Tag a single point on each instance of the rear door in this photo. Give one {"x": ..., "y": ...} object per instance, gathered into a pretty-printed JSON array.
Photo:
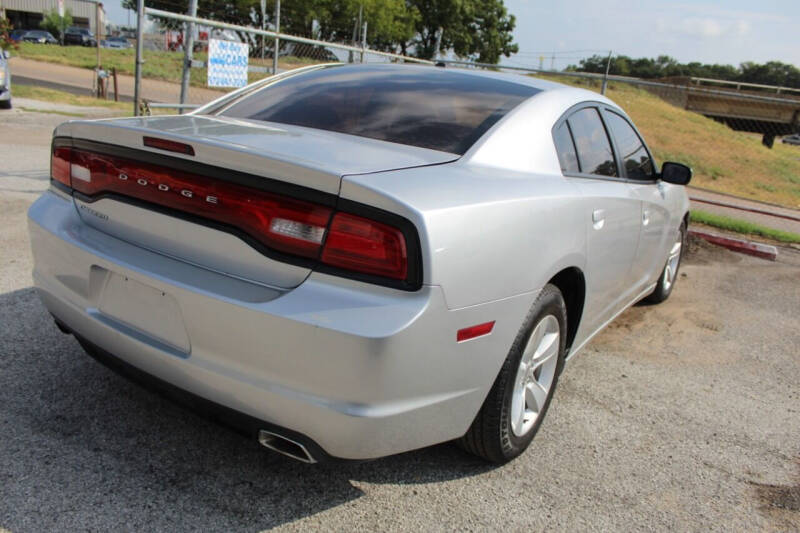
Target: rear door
[
  {"x": 609, "y": 207},
  {"x": 637, "y": 166}
]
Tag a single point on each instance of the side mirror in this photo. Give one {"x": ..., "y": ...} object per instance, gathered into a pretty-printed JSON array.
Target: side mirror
[
  {"x": 6, "y": 54},
  {"x": 676, "y": 173}
]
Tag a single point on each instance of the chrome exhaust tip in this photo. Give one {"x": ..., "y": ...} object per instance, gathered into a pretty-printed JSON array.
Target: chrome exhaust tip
[{"x": 282, "y": 445}]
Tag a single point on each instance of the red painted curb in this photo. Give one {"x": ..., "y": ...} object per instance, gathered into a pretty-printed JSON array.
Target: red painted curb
[{"x": 764, "y": 251}]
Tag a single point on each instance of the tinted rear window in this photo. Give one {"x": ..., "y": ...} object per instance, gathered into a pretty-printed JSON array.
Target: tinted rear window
[
  {"x": 591, "y": 140},
  {"x": 427, "y": 107}
]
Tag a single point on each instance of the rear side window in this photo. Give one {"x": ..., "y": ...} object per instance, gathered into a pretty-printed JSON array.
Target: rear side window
[
  {"x": 566, "y": 149},
  {"x": 428, "y": 107},
  {"x": 638, "y": 164},
  {"x": 592, "y": 144}
]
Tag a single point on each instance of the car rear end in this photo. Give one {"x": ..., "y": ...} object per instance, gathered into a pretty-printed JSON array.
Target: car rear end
[
  {"x": 5, "y": 81},
  {"x": 245, "y": 257},
  {"x": 217, "y": 260}
]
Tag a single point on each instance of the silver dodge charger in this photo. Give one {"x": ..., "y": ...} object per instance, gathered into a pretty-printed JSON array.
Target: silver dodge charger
[{"x": 352, "y": 261}]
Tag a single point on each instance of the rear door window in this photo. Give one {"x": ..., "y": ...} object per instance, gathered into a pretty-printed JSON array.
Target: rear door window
[
  {"x": 567, "y": 156},
  {"x": 591, "y": 142},
  {"x": 637, "y": 161}
]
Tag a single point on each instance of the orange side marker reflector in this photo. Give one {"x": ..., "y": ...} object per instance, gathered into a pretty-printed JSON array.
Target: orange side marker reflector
[{"x": 474, "y": 331}]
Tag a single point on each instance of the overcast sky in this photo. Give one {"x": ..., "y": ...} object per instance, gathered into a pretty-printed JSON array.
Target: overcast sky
[{"x": 730, "y": 31}]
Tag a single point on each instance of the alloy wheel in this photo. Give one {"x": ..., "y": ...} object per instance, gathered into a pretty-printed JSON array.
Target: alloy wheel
[{"x": 535, "y": 375}]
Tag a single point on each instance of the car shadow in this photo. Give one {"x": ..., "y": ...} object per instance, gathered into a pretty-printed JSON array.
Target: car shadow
[{"x": 84, "y": 448}]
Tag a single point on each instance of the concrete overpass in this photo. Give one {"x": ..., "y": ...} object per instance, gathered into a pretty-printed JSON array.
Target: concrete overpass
[{"x": 769, "y": 110}]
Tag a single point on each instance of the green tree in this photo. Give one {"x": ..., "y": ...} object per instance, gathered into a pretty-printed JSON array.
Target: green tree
[
  {"x": 5, "y": 39},
  {"x": 770, "y": 73},
  {"x": 476, "y": 29},
  {"x": 56, "y": 24}
]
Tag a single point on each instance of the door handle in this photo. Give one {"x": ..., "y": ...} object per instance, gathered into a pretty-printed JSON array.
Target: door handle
[
  {"x": 645, "y": 217},
  {"x": 598, "y": 218}
]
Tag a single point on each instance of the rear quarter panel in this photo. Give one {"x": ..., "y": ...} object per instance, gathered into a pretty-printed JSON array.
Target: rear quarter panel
[{"x": 486, "y": 233}]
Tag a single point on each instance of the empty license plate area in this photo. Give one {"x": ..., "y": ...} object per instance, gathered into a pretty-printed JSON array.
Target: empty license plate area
[{"x": 149, "y": 312}]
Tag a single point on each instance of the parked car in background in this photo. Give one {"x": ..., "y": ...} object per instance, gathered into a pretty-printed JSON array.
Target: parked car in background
[
  {"x": 39, "y": 36},
  {"x": 792, "y": 139},
  {"x": 355, "y": 261},
  {"x": 116, "y": 42},
  {"x": 5, "y": 80},
  {"x": 79, "y": 36},
  {"x": 16, "y": 35}
]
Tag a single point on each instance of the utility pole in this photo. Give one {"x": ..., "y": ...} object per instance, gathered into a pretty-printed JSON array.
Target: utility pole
[
  {"x": 137, "y": 84},
  {"x": 263, "y": 27},
  {"x": 553, "y": 61},
  {"x": 437, "y": 47},
  {"x": 97, "y": 35},
  {"x": 277, "y": 50},
  {"x": 541, "y": 62},
  {"x": 60, "y": 21},
  {"x": 605, "y": 77},
  {"x": 363, "y": 40},
  {"x": 188, "y": 49},
  {"x": 350, "y": 57}
]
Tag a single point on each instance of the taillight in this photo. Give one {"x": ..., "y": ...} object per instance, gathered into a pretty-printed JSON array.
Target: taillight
[
  {"x": 280, "y": 223},
  {"x": 342, "y": 242},
  {"x": 364, "y": 245},
  {"x": 59, "y": 165}
]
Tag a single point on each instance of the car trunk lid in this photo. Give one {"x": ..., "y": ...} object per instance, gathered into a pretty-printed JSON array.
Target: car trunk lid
[{"x": 292, "y": 162}]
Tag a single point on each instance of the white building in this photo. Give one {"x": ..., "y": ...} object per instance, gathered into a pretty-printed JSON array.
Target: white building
[{"x": 27, "y": 14}]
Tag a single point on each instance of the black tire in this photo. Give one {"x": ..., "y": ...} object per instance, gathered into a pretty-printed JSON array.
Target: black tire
[
  {"x": 5, "y": 104},
  {"x": 662, "y": 291},
  {"x": 490, "y": 436}
]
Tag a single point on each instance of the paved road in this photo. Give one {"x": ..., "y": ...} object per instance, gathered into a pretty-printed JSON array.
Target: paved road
[
  {"x": 81, "y": 78},
  {"x": 682, "y": 416},
  {"x": 709, "y": 201}
]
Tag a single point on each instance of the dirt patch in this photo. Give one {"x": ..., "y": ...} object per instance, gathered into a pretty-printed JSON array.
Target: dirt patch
[
  {"x": 702, "y": 252},
  {"x": 781, "y": 503},
  {"x": 780, "y": 496},
  {"x": 669, "y": 334}
]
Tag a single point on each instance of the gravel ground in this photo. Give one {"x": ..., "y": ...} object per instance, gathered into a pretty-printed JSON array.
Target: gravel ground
[{"x": 683, "y": 416}]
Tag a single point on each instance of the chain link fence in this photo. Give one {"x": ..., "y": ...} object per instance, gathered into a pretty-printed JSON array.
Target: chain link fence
[
  {"x": 164, "y": 58},
  {"x": 771, "y": 112}
]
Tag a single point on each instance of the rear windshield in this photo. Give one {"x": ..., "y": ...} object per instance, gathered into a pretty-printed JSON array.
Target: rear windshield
[{"x": 427, "y": 107}]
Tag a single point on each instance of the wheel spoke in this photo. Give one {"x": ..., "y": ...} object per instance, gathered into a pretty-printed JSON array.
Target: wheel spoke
[
  {"x": 533, "y": 343},
  {"x": 535, "y": 396},
  {"x": 548, "y": 354},
  {"x": 547, "y": 350},
  {"x": 517, "y": 413}
]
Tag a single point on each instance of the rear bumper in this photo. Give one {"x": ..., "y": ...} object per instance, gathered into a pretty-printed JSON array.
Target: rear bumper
[{"x": 358, "y": 371}]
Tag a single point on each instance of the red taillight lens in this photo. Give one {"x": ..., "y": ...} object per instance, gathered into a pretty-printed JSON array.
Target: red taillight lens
[
  {"x": 352, "y": 243},
  {"x": 283, "y": 224},
  {"x": 367, "y": 246},
  {"x": 59, "y": 164}
]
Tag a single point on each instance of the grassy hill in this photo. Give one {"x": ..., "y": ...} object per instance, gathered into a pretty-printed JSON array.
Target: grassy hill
[
  {"x": 159, "y": 65},
  {"x": 723, "y": 160}
]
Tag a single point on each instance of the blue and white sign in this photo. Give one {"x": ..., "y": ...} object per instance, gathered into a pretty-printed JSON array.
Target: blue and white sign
[{"x": 227, "y": 63}]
